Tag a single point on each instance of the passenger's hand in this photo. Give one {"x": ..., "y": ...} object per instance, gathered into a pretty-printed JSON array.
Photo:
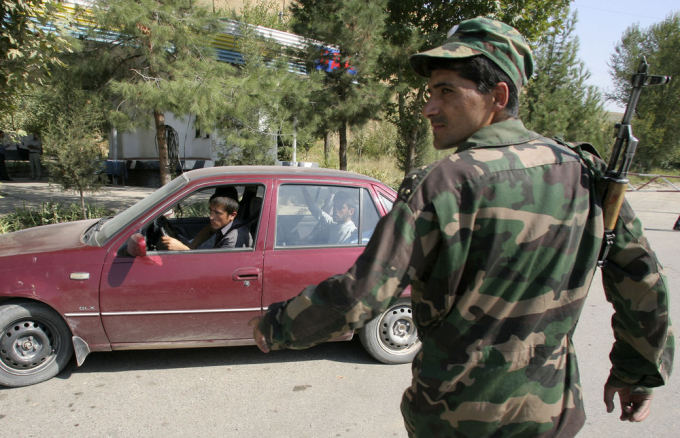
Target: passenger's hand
[
  {"x": 257, "y": 334},
  {"x": 172, "y": 244},
  {"x": 635, "y": 407}
]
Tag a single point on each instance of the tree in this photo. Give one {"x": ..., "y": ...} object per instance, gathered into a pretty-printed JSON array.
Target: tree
[
  {"x": 658, "y": 118},
  {"x": 162, "y": 50},
  {"x": 413, "y": 26},
  {"x": 72, "y": 146},
  {"x": 272, "y": 107},
  {"x": 29, "y": 46},
  {"x": 558, "y": 102},
  {"x": 352, "y": 29}
]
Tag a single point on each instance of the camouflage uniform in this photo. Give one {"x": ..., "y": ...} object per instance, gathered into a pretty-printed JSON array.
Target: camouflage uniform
[{"x": 499, "y": 242}]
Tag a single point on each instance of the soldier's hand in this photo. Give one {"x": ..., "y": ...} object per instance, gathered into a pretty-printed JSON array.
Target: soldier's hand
[
  {"x": 257, "y": 334},
  {"x": 635, "y": 406}
]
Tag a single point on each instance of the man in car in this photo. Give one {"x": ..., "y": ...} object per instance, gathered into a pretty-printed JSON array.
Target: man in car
[
  {"x": 499, "y": 242},
  {"x": 223, "y": 211}
]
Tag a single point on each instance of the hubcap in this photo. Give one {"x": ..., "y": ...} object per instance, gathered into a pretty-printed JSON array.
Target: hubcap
[
  {"x": 397, "y": 329},
  {"x": 26, "y": 345}
]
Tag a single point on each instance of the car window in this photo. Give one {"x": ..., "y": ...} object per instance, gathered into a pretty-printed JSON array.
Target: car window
[
  {"x": 318, "y": 215},
  {"x": 386, "y": 202},
  {"x": 188, "y": 221},
  {"x": 369, "y": 217},
  {"x": 124, "y": 218}
]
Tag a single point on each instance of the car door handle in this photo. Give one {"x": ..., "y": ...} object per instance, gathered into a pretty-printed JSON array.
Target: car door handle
[{"x": 246, "y": 274}]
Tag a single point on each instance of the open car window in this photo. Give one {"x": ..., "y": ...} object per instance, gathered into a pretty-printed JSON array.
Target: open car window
[
  {"x": 188, "y": 220},
  {"x": 322, "y": 215}
]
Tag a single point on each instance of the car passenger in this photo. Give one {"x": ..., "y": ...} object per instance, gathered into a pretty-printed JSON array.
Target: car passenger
[{"x": 338, "y": 228}]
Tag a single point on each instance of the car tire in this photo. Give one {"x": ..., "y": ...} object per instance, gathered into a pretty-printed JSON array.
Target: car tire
[
  {"x": 35, "y": 344},
  {"x": 392, "y": 337}
]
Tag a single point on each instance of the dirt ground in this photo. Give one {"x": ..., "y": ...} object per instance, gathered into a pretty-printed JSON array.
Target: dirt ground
[{"x": 26, "y": 193}]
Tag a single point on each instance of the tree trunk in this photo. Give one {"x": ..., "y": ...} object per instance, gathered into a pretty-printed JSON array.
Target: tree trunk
[
  {"x": 326, "y": 147},
  {"x": 342, "y": 150},
  {"x": 162, "y": 141},
  {"x": 83, "y": 212},
  {"x": 411, "y": 157}
]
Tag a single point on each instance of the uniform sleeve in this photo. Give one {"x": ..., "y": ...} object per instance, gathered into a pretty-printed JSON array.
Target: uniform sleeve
[
  {"x": 634, "y": 283},
  {"x": 346, "y": 302}
]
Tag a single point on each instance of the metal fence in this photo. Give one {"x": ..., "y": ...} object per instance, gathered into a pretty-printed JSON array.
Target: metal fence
[{"x": 656, "y": 183}]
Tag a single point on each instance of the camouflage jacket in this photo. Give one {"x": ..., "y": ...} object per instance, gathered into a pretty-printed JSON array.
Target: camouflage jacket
[{"x": 499, "y": 242}]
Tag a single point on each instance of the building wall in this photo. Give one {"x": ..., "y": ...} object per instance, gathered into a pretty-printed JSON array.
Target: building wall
[{"x": 140, "y": 144}]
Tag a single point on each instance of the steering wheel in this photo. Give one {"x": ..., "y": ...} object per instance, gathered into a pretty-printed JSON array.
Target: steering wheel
[{"x": 162, "y": 227}]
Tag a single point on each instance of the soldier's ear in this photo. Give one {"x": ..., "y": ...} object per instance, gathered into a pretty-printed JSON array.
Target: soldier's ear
[{"x": 501, "y": 95}]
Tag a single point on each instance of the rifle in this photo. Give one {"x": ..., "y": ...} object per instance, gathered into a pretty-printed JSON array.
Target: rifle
[{"x": 616, "y": 175}]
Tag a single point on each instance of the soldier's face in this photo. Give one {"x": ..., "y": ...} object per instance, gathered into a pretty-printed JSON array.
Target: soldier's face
[{"x": 455, "y": 108}]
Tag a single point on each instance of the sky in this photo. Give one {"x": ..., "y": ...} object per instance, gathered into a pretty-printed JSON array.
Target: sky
[{"x": 600, "y": 26}]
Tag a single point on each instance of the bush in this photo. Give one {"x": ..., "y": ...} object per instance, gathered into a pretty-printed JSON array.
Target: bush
[{"x": 48, "y": 213}]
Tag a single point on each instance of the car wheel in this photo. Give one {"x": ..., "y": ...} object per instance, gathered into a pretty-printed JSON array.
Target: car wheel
[
  {"x": 391, "y": 337},
  {"x": 34, "y": 344}
]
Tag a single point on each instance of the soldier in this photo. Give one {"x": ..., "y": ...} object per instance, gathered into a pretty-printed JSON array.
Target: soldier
[{"x": 499, "y": 242}]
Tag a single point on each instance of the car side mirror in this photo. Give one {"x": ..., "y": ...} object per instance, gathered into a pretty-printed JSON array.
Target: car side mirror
[{"x": 136, "y": 245}]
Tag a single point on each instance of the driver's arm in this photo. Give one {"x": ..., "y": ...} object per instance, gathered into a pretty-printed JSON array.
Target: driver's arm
[{"x": 201, "y": 237}]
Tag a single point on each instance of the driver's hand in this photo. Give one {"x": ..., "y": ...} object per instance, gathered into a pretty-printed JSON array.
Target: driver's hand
[{"x": 172, "y": 244}]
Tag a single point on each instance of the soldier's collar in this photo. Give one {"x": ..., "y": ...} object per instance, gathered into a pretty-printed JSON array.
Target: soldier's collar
[{"x": 507, "y": 132}]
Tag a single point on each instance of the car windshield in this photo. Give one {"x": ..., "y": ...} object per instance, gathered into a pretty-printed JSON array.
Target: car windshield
[{"x": 121, "y": 220}]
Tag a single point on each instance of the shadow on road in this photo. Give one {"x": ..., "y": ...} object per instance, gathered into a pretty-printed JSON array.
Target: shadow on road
[{"x": 121, "y": 361}]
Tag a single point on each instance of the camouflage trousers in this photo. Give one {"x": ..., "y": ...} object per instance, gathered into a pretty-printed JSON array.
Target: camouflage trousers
[{"x": 425, "y": 418}]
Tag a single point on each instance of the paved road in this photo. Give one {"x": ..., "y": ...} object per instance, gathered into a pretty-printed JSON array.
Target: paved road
[{"x": 334, "y": 390}]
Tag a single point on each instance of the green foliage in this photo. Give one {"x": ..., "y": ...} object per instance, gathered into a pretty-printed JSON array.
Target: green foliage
[
  {"x": 271, "y": 105},
  {"x": 165, "y": 63},
  {"x": 72, "y": 148},
  {"x": 558, "y": 102},
  {"x": 658, "y": 117},
  {"x": 195, "y": 209},
  {"x": 355, "y": 29},
  {"x": 48, "y": 213},
  {"x": 28, "y": 48},
  {"x": 374, "y": 140}
]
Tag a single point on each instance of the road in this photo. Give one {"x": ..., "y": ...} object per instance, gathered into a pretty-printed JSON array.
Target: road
[{"x": 334, "y": 390}]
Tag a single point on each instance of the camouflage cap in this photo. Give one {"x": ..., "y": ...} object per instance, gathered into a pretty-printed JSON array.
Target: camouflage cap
[{"x": 497, "y": 41}]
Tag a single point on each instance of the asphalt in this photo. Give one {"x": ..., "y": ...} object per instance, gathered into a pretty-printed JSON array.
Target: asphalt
[{"x": 22, "y": 192}]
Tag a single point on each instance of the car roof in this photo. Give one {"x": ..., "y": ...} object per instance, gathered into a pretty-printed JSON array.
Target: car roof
[{"x": 281, "y": 171}]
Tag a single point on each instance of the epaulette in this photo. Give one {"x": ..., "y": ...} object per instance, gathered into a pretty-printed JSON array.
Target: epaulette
[
  {"x": 411, "y": 182},
  {"x": 579, "y": 148}
]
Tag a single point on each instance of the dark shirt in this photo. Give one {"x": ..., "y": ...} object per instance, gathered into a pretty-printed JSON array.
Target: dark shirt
[{"x": 236, "y": 236}]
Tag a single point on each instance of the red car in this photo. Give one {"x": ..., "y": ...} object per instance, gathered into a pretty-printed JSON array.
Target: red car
[{"x": 107, "y": 284}]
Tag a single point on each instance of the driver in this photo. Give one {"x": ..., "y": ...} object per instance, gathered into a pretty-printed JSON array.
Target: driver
[{"x": 228, "y": 234}]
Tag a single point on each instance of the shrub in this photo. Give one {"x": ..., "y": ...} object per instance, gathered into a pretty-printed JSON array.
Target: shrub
[{"x": 48, "y": 213}]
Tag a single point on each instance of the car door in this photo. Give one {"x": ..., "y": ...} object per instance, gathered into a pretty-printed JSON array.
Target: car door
[
  {"x": 186, "y": 297},
  {"x": 296, "y": 255}
]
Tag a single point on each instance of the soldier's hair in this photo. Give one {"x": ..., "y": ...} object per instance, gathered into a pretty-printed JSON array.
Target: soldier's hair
[
  {"x": 484, "y": 73},
  {"x": 230, "y": 205}
]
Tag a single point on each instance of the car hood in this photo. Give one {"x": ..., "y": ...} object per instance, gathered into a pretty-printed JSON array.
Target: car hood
[{"x": 46, "y": 238}]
